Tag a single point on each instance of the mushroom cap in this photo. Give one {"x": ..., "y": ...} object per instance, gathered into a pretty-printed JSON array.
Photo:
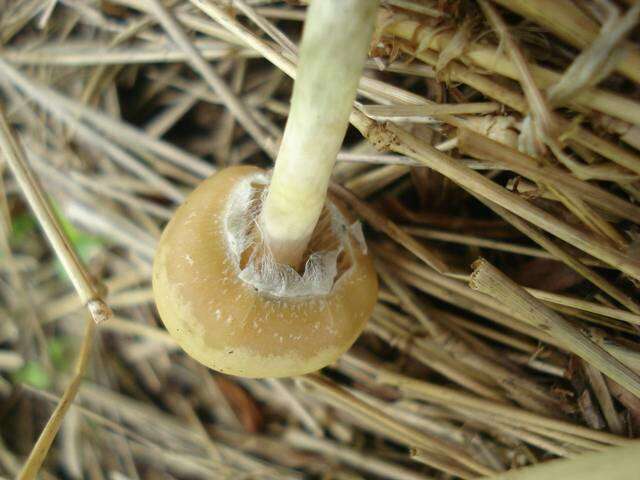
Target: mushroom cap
[{"x": 227, "y": 324}]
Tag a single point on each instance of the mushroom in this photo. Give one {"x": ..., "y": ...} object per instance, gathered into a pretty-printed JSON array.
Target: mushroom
[{"x": 262, "y": 275}]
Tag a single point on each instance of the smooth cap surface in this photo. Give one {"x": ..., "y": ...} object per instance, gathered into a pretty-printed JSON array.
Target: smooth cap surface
[{"x": 228, "y": 325}]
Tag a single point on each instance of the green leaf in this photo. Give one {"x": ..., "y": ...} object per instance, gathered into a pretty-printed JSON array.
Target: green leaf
[
  {"x": 61, "y": 353},
  {"x": 21, "y": 226},
  {"x": 32, "y": 373},
  {"x": 84, "y": 244}
]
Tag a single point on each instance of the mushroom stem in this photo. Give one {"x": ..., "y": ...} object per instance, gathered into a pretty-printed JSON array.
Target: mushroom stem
[{"x": 332, "y": 55}]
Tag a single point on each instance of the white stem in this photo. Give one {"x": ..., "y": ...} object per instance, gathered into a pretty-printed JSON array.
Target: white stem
[{"x": 332, "y": 55}]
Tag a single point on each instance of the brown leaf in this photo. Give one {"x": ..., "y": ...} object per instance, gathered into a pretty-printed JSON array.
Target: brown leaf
[{"x": 244, "y": 406}]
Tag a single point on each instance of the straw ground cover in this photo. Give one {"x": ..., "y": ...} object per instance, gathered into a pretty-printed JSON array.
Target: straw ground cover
[{"x": 492, "y": 130}]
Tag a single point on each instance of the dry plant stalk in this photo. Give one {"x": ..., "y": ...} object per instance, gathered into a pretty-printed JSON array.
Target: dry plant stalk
[
  {"x": 449, "y": 397},
  {"x": 82, "y": 281},
  {"x": 485, "y": 56},
  {"x": 461, "y": 73},
  {"x": 218, "y": 85},
  {"x": 391, "y": 137},
  {"x": 405, "y": 434},
  {"x": 47, "y": 436},
  {"x": 66, "y": 70},
  {"x": 483, "y": 147},
  {"x": 489, "y": 280},
  {"x": 567, "y": 20},
  {"x": 612, "y": 464}
]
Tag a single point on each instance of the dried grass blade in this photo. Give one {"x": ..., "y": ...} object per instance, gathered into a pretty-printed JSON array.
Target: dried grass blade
[
  {"x": 82, "y": 281},
  {"x": 489, "y": 280},
  {"x": 47, "y": 436}
]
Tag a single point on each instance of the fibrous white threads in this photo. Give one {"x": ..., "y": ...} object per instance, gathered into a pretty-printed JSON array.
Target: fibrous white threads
[{"x": 241, "y": 226}]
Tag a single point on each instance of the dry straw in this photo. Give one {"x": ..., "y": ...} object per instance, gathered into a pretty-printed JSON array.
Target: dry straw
[{"x": 506, "y": 130}]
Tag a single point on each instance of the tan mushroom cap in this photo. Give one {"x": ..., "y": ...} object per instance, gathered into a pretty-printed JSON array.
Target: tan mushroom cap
[{"x": 228, "y": 325}]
